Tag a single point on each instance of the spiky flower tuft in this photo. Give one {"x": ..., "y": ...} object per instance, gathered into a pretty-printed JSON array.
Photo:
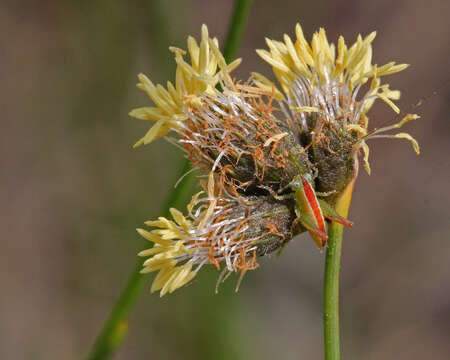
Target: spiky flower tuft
[
  {"x": 321, "y": 83},
  {"x": 237, "y": 133},
  {"x": 219, "y": 229},
  {"x": 201, "y": 76}
]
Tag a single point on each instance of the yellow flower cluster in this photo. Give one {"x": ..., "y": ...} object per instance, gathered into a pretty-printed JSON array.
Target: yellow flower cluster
[
  {"x": 320, "y": 84},
  {"x": 169, "y": 241},
  {"x": 207, "y": 67},
  {"x": 321, "y": 63}
]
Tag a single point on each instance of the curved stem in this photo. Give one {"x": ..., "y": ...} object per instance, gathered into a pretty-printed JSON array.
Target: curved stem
[
  {"x": 116, "y": 325},
  {"x": 331, "y": 278},
  {"x": 114, "y": 330}
]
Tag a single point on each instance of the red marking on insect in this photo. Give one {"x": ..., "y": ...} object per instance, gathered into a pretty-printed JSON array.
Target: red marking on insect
[{"x": 316, "y": 210}]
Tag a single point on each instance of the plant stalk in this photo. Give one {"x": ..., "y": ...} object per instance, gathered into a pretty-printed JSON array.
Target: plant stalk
[
  {"x": 114, "y": 330},
  {"x": 331, "y": 277}
]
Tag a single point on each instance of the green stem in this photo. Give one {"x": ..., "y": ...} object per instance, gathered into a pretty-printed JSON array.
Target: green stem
[
  {"x": 114, "y": 330},
  {"x": 115, "y": 327},
  {"x": 331, "y": 292},
  {"x": 239, "y": 16},
  {"x": 331, "y": 278}
]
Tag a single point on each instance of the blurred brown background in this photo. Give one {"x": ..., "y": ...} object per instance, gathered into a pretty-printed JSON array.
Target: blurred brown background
[{"x": 73, "y": 190}]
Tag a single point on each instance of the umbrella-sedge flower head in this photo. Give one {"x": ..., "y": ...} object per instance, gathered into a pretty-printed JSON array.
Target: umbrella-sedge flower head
[
  {"x": 192, "y": 80},
  {"x": 321, "y": 83},
  {"x": 227, "y": 231},
  {"x": 233, "y": 131},
  {"x": 275, "y": 160},
  {"x": 238, "y": 134}
]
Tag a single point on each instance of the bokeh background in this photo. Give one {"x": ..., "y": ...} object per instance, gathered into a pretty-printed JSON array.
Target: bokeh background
[{"x": 73, "y": 190}]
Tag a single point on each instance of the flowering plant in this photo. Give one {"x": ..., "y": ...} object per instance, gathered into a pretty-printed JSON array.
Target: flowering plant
[{"x": 273, "y": 163}]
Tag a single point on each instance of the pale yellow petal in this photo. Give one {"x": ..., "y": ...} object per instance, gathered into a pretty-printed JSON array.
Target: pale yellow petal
[
  {"x": 413, "y": 141},
  {"x": 301, "y": 109},
  {"x": 389, "y": 102},
  {"x": 204, "y": 51},
  {"x": 161, "y": 279},
  {"x": 180, "y": 219},
  {"x": 194, "y": 51},
  {"x": 407, "y": 118},
  {"x": 156, "y": 263},
  {"x": 153, "y": 251},
  {"x": 153, "y": 238},
  {"x": 265, "y": 55},
  {"x": 366, "y": 150},
  {"x": 194, "y": 200},
  {"x": 147, "y": 113},
  {"x": 154, "y": 132},
  {"x": 299, "y": 65}
]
